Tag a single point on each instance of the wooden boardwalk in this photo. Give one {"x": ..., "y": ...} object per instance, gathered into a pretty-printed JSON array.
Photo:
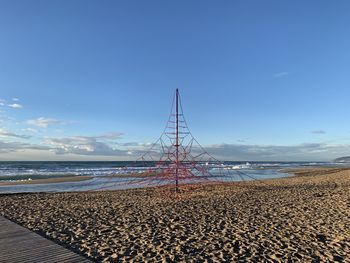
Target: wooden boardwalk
[{"x": 18, "y": 244}]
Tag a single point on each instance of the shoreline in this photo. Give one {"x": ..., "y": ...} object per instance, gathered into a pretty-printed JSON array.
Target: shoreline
[
  {"x": 314, "y": 170},
  {"x": 292, "y": 172},
  {"x": 47, "y": 180}
]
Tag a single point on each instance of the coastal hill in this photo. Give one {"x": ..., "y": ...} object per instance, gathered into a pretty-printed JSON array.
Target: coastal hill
[{"x": 345, "y": 159}]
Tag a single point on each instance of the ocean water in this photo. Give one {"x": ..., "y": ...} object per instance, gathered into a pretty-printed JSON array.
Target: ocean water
[
  {"x": 99, "y": 171},
  {"x": 42, "y": 170}
]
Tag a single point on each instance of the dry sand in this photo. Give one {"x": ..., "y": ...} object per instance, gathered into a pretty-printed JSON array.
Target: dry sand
[
  {"x": 305, "y": 218},
  {"x": 48, "y": 180}
]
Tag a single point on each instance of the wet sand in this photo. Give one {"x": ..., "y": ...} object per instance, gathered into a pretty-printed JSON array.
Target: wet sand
[
  {"x": 48, "y": 180},
  {"x": 305, "y": 218}
]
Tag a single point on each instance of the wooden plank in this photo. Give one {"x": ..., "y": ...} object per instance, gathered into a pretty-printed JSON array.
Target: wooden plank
[
  {"x": 5, "y": 254},
  {"x": 18, "y": 244}
]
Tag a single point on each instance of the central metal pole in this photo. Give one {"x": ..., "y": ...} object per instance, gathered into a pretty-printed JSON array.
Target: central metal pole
[{"x": 177, "y": 144}]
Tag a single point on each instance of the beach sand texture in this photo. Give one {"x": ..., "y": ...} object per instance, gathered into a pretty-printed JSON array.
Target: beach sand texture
[{"x": 305, "y": 218}]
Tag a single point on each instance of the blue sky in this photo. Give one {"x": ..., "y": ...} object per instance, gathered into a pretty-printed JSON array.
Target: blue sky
[{"x": 259, "y": 80}]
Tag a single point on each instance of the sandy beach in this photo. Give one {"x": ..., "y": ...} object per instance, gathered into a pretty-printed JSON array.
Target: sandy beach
[{"x": 305, "y": 218}]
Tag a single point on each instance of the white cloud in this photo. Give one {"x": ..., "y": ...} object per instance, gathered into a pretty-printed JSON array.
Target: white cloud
[
  {"x": 15, "y": 106},
  {"x": 15, "y": 99},
  {"x": 43, "y": 122}
]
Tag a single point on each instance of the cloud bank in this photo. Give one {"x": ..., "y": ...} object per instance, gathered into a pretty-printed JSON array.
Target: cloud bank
[
  {"x": 4, "y": 133},
  {"x": 102, "y": 146},
  {"x": 84, "y": 145},
  {"x": 9, "y": 147},
  {"x": 300, "y": 152}
]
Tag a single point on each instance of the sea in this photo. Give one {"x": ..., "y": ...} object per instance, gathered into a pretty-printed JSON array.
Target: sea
[{"x": 101, "y": 173}]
